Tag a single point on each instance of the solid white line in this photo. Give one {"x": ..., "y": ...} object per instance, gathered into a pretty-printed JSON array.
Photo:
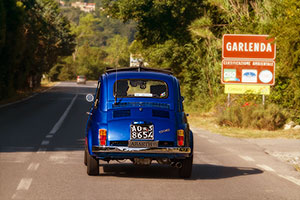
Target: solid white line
[
  {"x": 265, "y": 167},
  {"x": 62, "y": 118},
  {"x": 27, "y": 98},
  {"x": 24, "y": 184},
  {"x": 290, "y": 178},
  {"x": 45, "y": 142},
  {"x": 19, "y": 101},
  {"x": 33, "y": 166},
  {"x": 247, "y": 158}
]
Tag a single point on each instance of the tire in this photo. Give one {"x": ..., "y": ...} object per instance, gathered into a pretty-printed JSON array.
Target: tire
[
  {"x": 92, "y": 165},
  {"x": 85, "y": 156},
  {"x": 186, "y": 170}
]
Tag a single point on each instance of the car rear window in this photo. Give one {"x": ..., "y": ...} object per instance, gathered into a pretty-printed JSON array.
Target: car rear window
[{"x": 141, "y": 88}]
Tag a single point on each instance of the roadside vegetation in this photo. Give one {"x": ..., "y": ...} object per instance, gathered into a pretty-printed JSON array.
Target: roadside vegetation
[
  {"x": 186, "y": 36},
  {"x": 209, "y": 121},
  {"x": 183, "y": 35}
]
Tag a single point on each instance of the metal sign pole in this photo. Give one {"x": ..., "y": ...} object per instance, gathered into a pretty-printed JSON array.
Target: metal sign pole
[
  {"x": 228, "y": 100},
  {"x": 263, "y": 99}
]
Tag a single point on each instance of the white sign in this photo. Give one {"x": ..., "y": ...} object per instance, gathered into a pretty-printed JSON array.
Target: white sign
[
  {"x": 249, "y": 76},
  {"x": 265, "y": 76}
]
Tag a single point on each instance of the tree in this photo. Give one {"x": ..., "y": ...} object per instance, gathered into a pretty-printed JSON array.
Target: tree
[
  {"x": 157, "y": 21},
  {"x": 118, "y": 52},
  {"x": 33, "y": 36},
  {"x": 285, "y": 27}
]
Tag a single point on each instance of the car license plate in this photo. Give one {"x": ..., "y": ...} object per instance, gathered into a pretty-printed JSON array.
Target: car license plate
[
  {"x": 142, "y": 144},
  {"x": 141, "y": 132}
]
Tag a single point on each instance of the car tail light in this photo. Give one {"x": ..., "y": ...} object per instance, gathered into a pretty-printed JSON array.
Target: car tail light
[
  {"x": 180, "y": 137},
  {"x": 102, "y": 137}
]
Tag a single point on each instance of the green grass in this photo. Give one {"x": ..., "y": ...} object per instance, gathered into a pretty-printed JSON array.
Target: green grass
[
  {"x": 209, "y": 122},
  {"x": 297, "y": 167}
]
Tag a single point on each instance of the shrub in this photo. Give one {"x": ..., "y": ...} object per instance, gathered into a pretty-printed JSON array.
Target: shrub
[{"x": 251, "y": 115}]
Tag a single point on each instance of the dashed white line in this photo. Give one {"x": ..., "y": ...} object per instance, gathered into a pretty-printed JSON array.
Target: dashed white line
[
  {"x": 45, "y": 142},
  {"x": 290, "y": 178},
  {"x": 42, "y": 150},
  {"x": 33, "y": 166},
  {"x": 265, "y": 167},
  {"x": 24, "y": 184},
  {"x": 49, "y": 136},
  {"x": 247, "y": 158}
]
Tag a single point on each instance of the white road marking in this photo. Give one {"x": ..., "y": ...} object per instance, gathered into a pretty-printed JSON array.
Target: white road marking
[
  {"x": 24, "y": 184},
  {"x": 265, "y": 167},
  {"x": 203, "y": 136},
  {"x": 45, "y": 142},
  {"x": 58, "y": 158},
  {"x": 63, "y": 117},
  {"x": 14, "y": 196},
  {"x": 42, "y": 150},
  {"x": 213, "y": 141},
  {"x": 247, "y": 158},
  {"x": 230, "y": 150},
  {"x": 49, "y": 136},
  {"x": 290, "y": 178},
  {"x": 33, "y": 166}
]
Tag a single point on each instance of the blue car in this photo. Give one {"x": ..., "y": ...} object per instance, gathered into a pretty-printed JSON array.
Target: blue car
[{"x": 137, "y": 114}]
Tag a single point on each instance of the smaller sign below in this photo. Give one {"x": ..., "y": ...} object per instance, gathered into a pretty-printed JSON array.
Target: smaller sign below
[
  {"x": 248, "y": 72},
  {"x": 247, "y": 89}
]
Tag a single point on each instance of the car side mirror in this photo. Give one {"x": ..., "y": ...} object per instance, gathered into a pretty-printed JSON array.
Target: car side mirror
[{"x": 89, "y": 97}]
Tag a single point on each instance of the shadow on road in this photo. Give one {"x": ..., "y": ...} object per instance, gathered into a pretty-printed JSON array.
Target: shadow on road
[{"x": 156, "y": 171}]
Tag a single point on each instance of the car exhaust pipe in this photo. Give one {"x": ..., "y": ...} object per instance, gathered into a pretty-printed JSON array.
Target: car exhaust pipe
[
  {"x": 178, "y": 165},
  {"x": 173, "y": 164}
]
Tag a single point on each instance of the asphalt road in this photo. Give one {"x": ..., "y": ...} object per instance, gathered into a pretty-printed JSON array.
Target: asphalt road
[{"x": 41, "y": 157}]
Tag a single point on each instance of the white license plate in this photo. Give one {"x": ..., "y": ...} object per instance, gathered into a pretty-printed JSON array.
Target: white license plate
[{"x": 141, "y": 132}]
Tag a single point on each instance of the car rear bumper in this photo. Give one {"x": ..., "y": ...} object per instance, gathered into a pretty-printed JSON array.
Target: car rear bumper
[{"x": 126, "y": 152}]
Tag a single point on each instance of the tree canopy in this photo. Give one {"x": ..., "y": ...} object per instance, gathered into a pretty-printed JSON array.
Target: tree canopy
[{"x": 33, "y": 36}]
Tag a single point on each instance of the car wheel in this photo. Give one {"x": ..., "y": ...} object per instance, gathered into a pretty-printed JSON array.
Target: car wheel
[
  {"x": 85, "y": 156},
  {"x": 92, "y": 165},
  {"x": 186, "y": 170}
]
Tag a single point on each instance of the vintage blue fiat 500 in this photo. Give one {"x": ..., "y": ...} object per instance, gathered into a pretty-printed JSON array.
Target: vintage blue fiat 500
[{"x": 137, "y": 114}]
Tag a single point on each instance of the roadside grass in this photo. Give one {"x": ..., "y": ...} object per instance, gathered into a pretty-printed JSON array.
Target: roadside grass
[
  {"x": 209, "y": 122},
  {"x": 22, "y": 94},
  {"x": 297, "y": 167}
]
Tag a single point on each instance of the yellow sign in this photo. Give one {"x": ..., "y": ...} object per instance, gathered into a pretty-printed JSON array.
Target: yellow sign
[{"x": 247, "y": 89}]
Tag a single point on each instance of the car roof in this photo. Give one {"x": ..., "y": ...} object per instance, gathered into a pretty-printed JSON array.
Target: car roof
[
  {"x": 138, "y": 73},
  {"x": 138, "y": 69}
]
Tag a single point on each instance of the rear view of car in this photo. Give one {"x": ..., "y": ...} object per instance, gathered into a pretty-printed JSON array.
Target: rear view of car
[
  {"x": 81, "y": 79},
  {"x": 138, "y": 115}
]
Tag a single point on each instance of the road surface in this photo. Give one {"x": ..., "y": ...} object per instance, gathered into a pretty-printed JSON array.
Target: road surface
[{"x": 41, "y": 157}]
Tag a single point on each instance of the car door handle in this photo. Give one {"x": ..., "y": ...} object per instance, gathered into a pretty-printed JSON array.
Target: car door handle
[{"x": 89, "y": 113}]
